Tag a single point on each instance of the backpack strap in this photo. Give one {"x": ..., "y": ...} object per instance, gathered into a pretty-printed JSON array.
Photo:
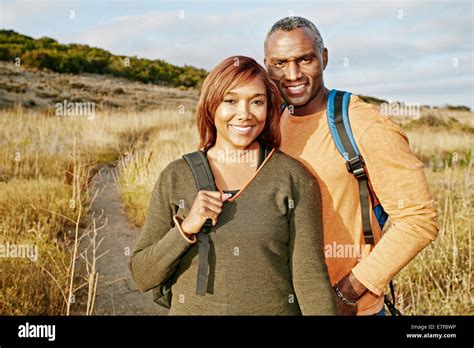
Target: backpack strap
[
  {"x": 204, "y": 179},
  {"x": 264, "y": 152},
  {"x": 340, "y": 128}
]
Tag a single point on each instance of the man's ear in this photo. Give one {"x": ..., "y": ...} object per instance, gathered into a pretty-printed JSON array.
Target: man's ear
[{"x": 325, "y": 58}]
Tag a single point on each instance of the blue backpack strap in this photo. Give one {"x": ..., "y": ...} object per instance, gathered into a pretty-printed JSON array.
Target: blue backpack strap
[
  {"x": 332, "y": 125},
  {"x": 339, "y": 126},
  {"x": 343, "y": 138}
]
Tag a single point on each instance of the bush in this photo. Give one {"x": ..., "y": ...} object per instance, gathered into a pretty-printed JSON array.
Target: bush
[
  {"x": 47, "y": 53},
  {"x": 458, "y": 107}
]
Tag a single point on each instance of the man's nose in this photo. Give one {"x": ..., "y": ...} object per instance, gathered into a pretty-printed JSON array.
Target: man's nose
[{"x": 293, "y": 71}]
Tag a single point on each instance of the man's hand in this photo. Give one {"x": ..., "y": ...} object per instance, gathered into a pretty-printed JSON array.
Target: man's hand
[{"x": 352, "y": 290}]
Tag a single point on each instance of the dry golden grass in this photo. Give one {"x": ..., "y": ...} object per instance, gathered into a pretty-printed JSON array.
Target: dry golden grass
[
  {"x": 40, "y": 206},
  {"x": 45, "y": 169},
  {"x": 439, "y": 281},
  {"x": 434, "y": 147},
  {"x": 176, "y": 136}
]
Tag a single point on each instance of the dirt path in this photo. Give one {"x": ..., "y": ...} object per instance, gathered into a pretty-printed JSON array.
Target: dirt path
[{"x": 116, "y": 292}]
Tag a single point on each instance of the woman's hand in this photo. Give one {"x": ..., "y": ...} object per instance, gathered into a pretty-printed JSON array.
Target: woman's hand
[{"x": 207, "y": 205}]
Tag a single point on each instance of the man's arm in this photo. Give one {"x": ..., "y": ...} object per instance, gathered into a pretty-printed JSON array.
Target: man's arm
[{"x": 398, "y": 179}]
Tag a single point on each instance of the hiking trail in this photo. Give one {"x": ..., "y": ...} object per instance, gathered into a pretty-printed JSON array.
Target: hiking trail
[{"x": 116, "y": 292}]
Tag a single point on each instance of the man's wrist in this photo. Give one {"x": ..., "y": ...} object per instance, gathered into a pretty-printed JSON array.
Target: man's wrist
[
  {"x": 349, "y": 289},
  {"x": 356, "y": 285},
  {"x": 342, "y": 297}
]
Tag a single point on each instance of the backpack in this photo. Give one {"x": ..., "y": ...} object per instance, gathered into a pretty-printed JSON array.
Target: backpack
[
  {"x": 204, "y": 179},
  {"x": 337, "y": 111}
]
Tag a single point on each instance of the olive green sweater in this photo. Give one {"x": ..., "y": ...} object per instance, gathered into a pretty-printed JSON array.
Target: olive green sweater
[{"x": 266, "y": 252}]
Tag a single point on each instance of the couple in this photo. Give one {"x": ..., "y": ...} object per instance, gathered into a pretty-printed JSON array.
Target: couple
[{"x": 285, "y": 236}]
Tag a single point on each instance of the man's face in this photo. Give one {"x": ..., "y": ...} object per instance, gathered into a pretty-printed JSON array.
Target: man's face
[{"x": 295, "y": 63}]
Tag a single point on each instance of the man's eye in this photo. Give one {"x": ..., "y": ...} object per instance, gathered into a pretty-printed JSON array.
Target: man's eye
[
  {"x": 306, "y": 60},
  {"x": 278, "y": 63}
]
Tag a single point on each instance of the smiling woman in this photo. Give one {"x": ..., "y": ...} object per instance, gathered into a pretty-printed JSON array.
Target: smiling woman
[{"x": 262, "y": 254}]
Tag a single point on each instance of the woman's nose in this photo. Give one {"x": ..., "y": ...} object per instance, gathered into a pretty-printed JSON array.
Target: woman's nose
[{"x": 243, "y": 111}]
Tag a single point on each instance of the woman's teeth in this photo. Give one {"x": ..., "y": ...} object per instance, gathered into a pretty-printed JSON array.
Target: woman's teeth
[{"x": 241, "y": 129}]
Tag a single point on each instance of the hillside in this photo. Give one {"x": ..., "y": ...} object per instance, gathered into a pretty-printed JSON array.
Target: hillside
[
  {"x": 47, "y": 53},
  {"x": 40, "y": 90}
]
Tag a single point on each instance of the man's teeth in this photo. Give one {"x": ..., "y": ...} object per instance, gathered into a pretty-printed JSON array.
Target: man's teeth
[{"x": 296, "y": 88}]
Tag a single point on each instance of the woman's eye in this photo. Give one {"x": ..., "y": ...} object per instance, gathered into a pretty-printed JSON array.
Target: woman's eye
[
  {"x": 229, "y": 101},
  {"x": 258, "y": 102}
]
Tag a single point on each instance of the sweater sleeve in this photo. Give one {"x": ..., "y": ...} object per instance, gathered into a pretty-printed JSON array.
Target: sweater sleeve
[
  {"x": 308, "y": 268},
  {"x": 400, "y": 184},
  {"x": 160, "y": 245}
]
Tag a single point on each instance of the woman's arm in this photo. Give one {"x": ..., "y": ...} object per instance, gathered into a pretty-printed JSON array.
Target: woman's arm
[
  {"x": 308, "y": 268},
  {"x": 160, "y": 244}
]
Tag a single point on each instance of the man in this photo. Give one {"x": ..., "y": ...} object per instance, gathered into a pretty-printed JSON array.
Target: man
[{"x": 296, "y": 58}]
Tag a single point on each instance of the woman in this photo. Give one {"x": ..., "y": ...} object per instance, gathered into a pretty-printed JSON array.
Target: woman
[{"x": 265, "y": 252}]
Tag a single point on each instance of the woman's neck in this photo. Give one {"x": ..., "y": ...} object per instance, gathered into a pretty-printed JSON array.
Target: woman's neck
[{"x": 224, "y": 150}]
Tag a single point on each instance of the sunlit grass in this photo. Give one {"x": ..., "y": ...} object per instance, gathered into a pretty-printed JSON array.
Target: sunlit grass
[
  {"x": 439, "y": 280},
  {"x": 46, "y": 163}
]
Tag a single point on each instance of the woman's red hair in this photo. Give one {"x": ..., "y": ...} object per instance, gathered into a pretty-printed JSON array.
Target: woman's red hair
[{"x": 236, "y": 71}]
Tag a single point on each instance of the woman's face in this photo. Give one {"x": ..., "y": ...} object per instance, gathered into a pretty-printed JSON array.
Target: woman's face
[{"x": 241, "y": 115}]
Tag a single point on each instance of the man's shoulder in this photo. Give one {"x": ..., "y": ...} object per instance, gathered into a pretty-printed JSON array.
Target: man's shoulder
[
  {"x": 363, "y": 115},
  {"x": 361, "y": 111}
]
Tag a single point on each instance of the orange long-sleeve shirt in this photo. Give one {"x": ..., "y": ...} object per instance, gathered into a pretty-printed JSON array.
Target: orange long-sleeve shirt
[{"x": 398, "y": 179}]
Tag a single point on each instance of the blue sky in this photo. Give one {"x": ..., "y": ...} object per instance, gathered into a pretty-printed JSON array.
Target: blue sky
[{"x": 412, "y": 51}]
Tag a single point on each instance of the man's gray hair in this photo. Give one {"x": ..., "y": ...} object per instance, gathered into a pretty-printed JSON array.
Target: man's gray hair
[{"x": 293, "y": 22}]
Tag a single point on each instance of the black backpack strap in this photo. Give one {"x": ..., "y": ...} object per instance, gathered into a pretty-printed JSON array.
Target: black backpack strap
[
  {"x": 202, "y": 172},
  {"x": 264, "y": 152},
  {"x": 391, "y": 304},
  {"x": 204, "y": 179},
  {"x": 355, "y": 165}
]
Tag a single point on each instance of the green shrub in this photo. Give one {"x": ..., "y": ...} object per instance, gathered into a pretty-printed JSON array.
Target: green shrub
[{"x": 47, "y": 53}]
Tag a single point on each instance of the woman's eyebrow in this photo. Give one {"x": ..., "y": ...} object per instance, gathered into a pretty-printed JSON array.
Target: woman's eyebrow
[{"x": 252, "y": 96}]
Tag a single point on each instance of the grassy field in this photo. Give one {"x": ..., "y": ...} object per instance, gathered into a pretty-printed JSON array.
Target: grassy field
[{"x": 46, "y": 163}]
